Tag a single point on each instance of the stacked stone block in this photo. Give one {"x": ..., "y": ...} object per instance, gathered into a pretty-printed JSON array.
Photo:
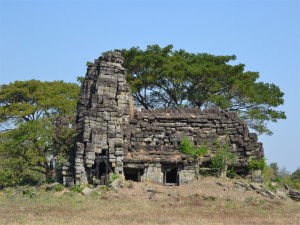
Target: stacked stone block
[
  {"x": 102, "y": 114},
  {"x": 156, "y": 135}
]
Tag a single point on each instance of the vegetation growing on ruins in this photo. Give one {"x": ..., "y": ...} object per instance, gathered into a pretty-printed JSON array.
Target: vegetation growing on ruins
[
  {"x": 220, "y": 161},
  {"x": 223, "y": 157},
  {"x": 113, "y": 177},
  {"x": 163, "y": 77},
  {"x": 58, "y": 187},
  {"x": 257, "y": 164},
  {"x": 188, "y": 148}
]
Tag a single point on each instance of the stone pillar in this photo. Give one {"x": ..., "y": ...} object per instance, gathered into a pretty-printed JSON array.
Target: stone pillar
[{"x": 103, "y": 113}]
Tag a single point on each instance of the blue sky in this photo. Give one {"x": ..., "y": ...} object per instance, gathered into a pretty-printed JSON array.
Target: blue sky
[{"x": 52, "y": 40}]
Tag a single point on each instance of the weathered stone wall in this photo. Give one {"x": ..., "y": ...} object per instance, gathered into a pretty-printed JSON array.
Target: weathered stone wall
[
  {"x": 156, "y": 135},
  {"x": 144, "y": 145}
]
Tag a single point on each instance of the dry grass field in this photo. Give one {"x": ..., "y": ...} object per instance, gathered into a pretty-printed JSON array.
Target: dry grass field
[{"x": 201, "y": 202}]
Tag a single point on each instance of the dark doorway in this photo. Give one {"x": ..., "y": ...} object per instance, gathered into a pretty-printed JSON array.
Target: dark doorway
[
  {"x": 133, "y": 174},
  {"x": 171, "y": 175},
  {"x": 100, "y": 170}
]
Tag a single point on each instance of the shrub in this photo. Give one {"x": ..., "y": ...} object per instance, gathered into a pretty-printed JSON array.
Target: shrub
[
  {"x": 188, "y": 148},
  {"x": 222, "y": 158},
  {"x": 257, "y": 164},
  {"x": 77, "y": 188},
  {"x": 231, "y": 173},
  {"x": 59, "y": 187},
  {"x": 270, "y": 187},
  {"x": 113, "y": 177},
  {"x": 27, "y": 191},
  {"x": 202, "y": 150}
]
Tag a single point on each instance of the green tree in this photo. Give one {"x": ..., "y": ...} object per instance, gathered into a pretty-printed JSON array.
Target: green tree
[
  {"x": 163, "y": 77},
  {"x": 145, "y": 70},
  {"x": 295, "y": 179},
  {"x": 63, "y": 139},
  {"x": 296, "y": 175},
  {"x": 28, "y": 113}
]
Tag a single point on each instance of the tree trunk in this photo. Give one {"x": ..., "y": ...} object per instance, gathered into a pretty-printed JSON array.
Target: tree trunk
[{"x": 49, "y": 171}]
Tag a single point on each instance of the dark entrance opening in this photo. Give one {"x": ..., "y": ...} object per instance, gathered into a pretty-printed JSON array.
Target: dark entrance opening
[
  {"x": 102, "y": 173},
  {"x": 100, "y": 170},
  {"x": 133, "y": 174},
  {"x": 171, "y": 175}
]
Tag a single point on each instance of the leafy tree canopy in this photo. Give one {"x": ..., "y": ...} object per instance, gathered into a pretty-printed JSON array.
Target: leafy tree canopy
[
  {"x": 24, "y": 101},
  {"x": 29, "y": 111},
  {"x": 163, "y": 77}
]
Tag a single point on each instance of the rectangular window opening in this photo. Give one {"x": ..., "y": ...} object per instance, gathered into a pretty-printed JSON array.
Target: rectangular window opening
[{"x": 133, "y": 174}]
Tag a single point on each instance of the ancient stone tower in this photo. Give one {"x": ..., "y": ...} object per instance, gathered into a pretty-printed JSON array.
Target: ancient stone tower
[
  {"x": 144, "y": 145},
  {"x": 102, "y": 113}
]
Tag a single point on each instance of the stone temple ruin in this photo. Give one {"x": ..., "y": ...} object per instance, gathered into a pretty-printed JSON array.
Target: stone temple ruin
[{"x": 144, "y": 145}]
